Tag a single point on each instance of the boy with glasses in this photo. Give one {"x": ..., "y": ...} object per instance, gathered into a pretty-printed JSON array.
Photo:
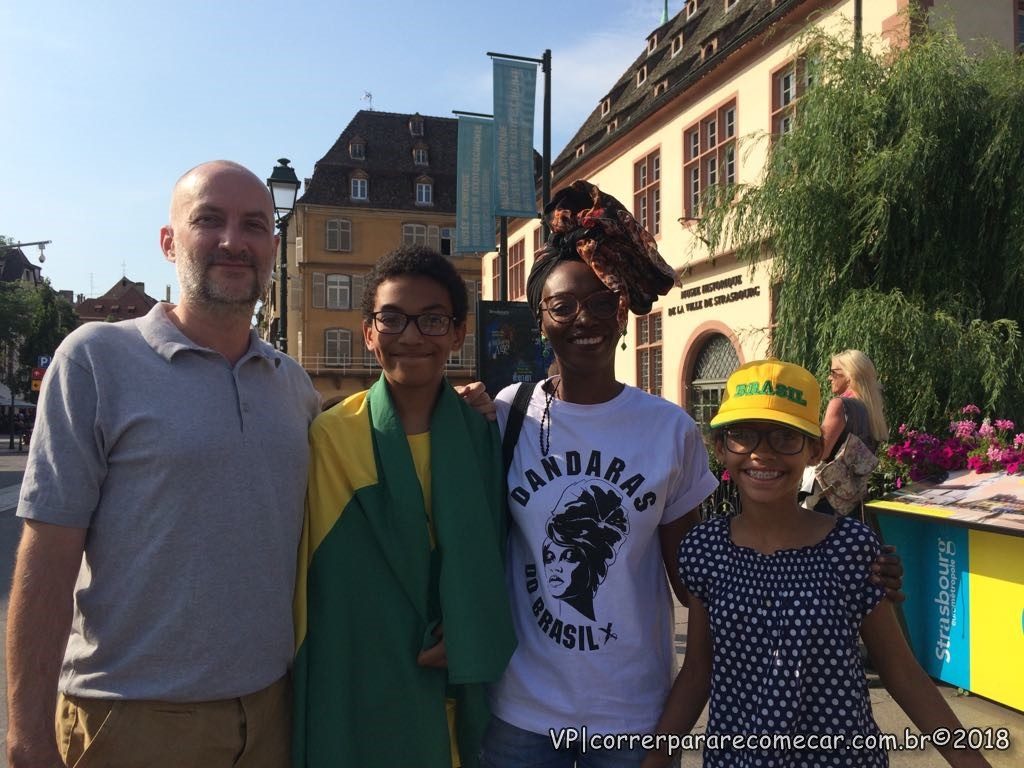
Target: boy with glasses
[{"x": 401, "y": 608}]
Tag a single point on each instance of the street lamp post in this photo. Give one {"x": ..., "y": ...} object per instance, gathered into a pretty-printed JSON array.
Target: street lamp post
[
  {"x": 284, "y": 186},
  {"x": 41, "y": 244}
]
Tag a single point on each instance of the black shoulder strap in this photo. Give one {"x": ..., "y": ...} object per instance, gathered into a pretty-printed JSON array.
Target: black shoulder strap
[{"x": 514, "y": 425}]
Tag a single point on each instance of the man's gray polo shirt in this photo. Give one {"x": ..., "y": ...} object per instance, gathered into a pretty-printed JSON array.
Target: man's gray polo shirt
[{"x": 190, "y": 475}]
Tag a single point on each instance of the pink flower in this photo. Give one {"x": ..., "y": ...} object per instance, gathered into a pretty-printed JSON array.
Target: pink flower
[
  {"x": 726, "y": 477},
  {"x": 986, "y": 429},
  {"x": 1018, "y": 440},
  {"x": 1004, "y": 424},
  {"x": 962, "y": 429},
  {"x": 899, "y": 482},
  {"x": 1013, "y": 467},
  {"x": 970, "y": 408}
]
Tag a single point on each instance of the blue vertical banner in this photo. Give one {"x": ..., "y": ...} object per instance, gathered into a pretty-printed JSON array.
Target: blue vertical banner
[
  {"x": 515, "y": 93},
  {"x": 936, "y": 568},
  {"x": 474, "y": 197}
]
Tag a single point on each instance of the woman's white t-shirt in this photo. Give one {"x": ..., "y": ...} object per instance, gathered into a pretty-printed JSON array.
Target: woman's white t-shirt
[{"x": 590, "y": 599}]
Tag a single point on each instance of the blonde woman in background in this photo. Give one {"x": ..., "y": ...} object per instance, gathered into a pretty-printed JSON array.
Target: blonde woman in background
[{"x": 856, "y": 406}]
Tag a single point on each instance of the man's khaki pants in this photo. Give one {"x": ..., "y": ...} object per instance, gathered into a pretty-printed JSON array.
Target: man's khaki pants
[{"x": 249, "y": 732}]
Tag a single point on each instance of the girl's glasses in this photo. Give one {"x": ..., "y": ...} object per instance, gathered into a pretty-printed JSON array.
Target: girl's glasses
[
  {"x": 565, "y": 307},
  {"x": 786, "y": 442},
  {"x": 390, "y": 321}
]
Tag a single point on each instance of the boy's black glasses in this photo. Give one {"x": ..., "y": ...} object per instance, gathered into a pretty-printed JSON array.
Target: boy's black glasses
[
  {"x": 784, "y": 441},
  {"x": 565, "y": 307},
  {"x": 390, "y": 321}
]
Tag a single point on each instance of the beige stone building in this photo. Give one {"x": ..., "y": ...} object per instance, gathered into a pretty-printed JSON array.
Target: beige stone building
[
  {"x": 389, "y": 179},
  {"x": 698, "y": 107}
]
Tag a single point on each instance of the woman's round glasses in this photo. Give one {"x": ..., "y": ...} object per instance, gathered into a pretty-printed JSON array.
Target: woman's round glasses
[
  {"x": 565, "y": 307},
  {"x": 786, "y": 442},
  {"x": 390, "y": 321}
]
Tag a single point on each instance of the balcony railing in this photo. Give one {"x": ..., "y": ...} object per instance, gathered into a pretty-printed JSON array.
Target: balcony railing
[{"x": 362, "y": 366}]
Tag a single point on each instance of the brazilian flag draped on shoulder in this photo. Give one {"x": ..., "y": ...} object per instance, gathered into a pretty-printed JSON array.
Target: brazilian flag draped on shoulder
[{"x": 370, "y": 589}]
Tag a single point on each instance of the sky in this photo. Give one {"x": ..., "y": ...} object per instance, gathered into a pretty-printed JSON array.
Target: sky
[{"x": 103, "y": 105}]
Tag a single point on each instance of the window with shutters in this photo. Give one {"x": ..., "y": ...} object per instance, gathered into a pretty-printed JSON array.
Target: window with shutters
[
  {"x": 424, "y": 193},
  {"x": 360, "y": 188},
  {"x": 339, "y": 235},
  {"x": 337, "y": 347},
  {"x": 710, "y": 156},
  {"x": 517, "y": 271},
  {"x": 648, "y": 352},
  {"x": 339, "y": 292},
  {"x": 789, "y": 83},
  {"x": 414, "y": 234},
  {"x": 319, "y": 298},
  {"x": 647, "y": 192}
]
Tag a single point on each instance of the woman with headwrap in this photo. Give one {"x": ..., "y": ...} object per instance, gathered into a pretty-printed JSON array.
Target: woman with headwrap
[{"x": 623, "y": 471}]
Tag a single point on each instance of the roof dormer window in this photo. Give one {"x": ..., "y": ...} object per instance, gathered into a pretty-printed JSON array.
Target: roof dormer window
[
  {"x": 606, "y": 106},
  {"x": 677, "y": 43},
  {"x": 692, "y": 7},
  {"x": 416, "y": 125},
  {"x": 357, "y": 149},
  {"x": 652, "y": 43},
  {"x": 709, "y": 49},
  {"x": 661, "y": 87},
  {"x": 613, "y": 125},
  {"x": 580, "y": 150},
  {"x": 641, "y": 75}
]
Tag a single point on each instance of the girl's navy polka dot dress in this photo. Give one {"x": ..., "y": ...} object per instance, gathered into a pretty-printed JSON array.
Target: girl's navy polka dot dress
[{"x": 785, "y": 630}]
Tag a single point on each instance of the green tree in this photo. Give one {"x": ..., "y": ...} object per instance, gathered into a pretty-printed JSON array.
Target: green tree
[
  {"x": 895, "y": 218},
  {"x": 53, "y": 318},
  {"x": 33, "y": 321}
]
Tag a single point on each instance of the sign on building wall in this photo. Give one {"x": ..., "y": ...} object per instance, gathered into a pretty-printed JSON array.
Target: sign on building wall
[
  {"x": 474, "y": 202},
  {"x": 713, "y": 293},
  {"x": 515, "y": 93}
]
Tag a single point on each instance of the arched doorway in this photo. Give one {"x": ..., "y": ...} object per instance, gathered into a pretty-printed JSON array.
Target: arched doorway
[{"x": 716, "y": 360}]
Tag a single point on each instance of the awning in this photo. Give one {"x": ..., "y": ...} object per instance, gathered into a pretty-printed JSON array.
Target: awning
[{"x": 5, "y": 399}]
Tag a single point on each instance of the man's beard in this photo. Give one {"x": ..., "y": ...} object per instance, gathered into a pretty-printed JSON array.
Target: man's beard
[{"x": 199, "y": 287}]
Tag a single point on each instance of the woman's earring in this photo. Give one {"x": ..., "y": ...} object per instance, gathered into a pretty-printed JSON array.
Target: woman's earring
[{"x": 623, "y": 338}]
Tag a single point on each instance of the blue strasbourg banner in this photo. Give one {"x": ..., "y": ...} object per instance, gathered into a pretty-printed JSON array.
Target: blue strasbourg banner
[
  {"x": 515, "y": 93},
  {"x": 474, "y": 200}
]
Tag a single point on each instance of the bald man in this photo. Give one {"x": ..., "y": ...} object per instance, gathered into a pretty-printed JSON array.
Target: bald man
[{"x": 163, "y": 507}]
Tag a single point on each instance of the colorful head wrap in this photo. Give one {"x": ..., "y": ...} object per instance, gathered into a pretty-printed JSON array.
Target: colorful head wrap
[{"x": 591, "y": 226}]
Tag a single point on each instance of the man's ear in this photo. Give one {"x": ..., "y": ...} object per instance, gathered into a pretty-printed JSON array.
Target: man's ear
[
  {"x": 167, "y": 242},
  {"x": 368, "y": 335}
]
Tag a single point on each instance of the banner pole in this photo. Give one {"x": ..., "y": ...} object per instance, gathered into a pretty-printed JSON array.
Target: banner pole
[
  {"x": 545, "y": 184},
  {"x": 503, "y": 260}
]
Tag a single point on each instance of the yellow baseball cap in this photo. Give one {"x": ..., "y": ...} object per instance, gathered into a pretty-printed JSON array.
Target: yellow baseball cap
[{"x": 771, "y": 390}]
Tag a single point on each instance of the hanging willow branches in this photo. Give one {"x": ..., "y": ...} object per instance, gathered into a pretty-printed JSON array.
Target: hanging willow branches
[{"x": 895, "y": 215}]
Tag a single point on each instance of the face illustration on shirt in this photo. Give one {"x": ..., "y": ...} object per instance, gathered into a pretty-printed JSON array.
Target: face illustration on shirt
[
  {"x": 564, "y": 570},
  {"x": 584, "y": 533}
]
